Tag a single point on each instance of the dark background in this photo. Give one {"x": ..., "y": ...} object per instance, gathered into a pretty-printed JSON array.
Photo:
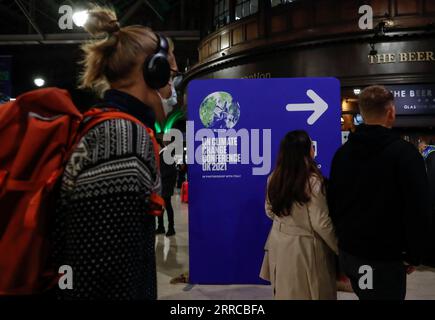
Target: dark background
[{"x": 35, "y": 53}]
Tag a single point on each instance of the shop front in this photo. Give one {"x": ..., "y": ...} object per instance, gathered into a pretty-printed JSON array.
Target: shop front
[{"x": 276, "y": 43}]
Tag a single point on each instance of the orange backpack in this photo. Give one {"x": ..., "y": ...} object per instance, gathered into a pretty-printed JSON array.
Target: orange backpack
[{"x": 38, "y": 133}]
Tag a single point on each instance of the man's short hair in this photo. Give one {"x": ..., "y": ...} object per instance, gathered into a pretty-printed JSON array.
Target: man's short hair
[{"x": 374, "y": 100}]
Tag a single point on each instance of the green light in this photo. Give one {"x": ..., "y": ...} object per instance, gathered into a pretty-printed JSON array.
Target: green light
[
  {"x": 157, "y": 127},
  {"x": 169, "y": 123},
  {"x": 174, "y": 117}
]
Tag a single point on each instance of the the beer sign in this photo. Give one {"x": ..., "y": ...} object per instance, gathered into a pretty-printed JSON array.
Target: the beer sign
[{"x": 414, "y": 99}]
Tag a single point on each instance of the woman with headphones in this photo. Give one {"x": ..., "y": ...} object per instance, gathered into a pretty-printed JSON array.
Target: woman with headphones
[{"x": 102, "y": 229}]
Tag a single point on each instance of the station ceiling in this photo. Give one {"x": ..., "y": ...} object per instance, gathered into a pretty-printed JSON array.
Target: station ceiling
[{"x": 33, "y": 21}]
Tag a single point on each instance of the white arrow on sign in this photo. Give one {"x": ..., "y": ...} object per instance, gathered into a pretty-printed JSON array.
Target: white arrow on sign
[{"x": 318, "y": 106}]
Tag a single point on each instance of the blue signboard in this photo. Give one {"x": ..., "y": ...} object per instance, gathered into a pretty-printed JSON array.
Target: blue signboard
[{"x": 233, "y": 135}]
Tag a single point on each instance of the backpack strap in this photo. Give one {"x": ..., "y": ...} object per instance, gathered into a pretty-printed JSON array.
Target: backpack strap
[
  {"x": 96, "y": 116},
  {"x": 3, "y": 176}
]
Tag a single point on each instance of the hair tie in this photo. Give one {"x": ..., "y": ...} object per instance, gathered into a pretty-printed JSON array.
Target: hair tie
[{"x": 114, "y": 26}]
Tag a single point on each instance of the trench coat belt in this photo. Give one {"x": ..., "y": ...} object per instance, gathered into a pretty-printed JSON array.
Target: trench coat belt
[{"x": 291, "y": 230}]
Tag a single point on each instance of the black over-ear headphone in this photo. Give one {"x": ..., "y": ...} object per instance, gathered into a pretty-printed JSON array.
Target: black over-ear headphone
[{"x": 156, "y": 69}]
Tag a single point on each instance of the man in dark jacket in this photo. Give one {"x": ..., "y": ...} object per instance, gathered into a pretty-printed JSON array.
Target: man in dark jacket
[
  {"x": 168, "y": 174},
  {"x": 428, "y": 152},
  {"x": 379, "y": 203}
]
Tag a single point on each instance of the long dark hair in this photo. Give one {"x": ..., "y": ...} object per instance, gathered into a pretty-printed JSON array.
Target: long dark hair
[{"x": 290, "y": 181}]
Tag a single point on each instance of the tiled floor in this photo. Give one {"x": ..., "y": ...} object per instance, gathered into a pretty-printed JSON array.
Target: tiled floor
[{"x": 172, "y": 261}]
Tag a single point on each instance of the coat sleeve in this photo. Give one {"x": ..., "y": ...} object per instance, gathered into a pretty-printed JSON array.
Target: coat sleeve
[
  {"x": 319, "y": 216},
  {"x": 332, "y": 187},
  {"x": 430, "y": 166}
]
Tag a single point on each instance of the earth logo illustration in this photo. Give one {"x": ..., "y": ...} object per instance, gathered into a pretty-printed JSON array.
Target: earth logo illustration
[{"x": 219, "y": 111}]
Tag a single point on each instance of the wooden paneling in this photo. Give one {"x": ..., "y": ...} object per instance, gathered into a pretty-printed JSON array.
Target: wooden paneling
[
  {"x": 238, "y": 35},
  {"x": 309, "y": 19},
  {"x": 252, "y": 31},
  {"x": 380, "y": 7},
  {"x": 300, "y": 18},
  {"x": 225, "y": 40},
  {"x": 406, "y": 7},
  {"x": 349, "y": 10},
  {"x": 279, "y": 23},
  {"x": 213, "y": 46},
  {"x": 429, "y": 6},
  {"x": 324, "y": 12},
  {"x": 204, "y": 51}
]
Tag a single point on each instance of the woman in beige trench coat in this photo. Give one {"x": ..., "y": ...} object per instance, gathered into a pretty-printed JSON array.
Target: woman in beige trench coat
[{"x": 299, "y": 252}]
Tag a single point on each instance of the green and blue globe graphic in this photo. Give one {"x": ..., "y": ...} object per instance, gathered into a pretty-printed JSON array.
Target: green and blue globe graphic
[{"x": 219, "y": 111}]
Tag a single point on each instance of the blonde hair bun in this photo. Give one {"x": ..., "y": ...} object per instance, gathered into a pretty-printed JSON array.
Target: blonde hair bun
[
  {"x": 112, "y": 58},
  {"x": 101, "y": 21}
]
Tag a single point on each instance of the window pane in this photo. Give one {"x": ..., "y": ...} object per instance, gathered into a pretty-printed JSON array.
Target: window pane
[
  {"x": 238, "y": 12},
  {"x": 254, "y": 6},
  {"x": 246, "y": 9},
  {"x": 227, "y": 5},
  {"x": 274, "y": 3},
  {"x": 221, "y": 6}
]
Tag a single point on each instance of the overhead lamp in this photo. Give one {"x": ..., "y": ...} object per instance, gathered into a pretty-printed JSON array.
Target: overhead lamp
[
  {"x": 39, "y": 82},
  {"x": 80, "y": 18}
]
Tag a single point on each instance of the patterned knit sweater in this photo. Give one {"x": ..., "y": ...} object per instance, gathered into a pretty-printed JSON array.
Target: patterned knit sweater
[{"x": 102, "y": 229}]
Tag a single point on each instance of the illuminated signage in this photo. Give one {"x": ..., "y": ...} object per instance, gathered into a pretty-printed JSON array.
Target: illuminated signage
[{"x": 402, "y": 57}]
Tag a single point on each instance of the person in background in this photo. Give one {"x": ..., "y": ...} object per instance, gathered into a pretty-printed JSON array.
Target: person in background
[
  {"x": 168, "y": 99},
  {"x": 181, "y": 174},
  {"x": 103, "y": 227},
  {"x": 169, "y": 178},
  {"x": 168, "y": 94},
  {"x": 299, "y": 252},
  {"x": 379, "y": 203},
  {"x": 428, "y": 153}
]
